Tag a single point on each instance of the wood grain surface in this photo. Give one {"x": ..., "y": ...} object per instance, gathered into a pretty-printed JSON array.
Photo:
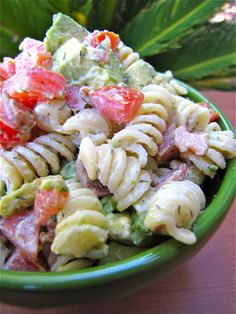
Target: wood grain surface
[{"x": 205, "y": 284}]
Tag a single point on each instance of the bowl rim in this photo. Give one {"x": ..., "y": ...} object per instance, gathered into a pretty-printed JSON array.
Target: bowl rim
[{"x": 150, "y": 258}]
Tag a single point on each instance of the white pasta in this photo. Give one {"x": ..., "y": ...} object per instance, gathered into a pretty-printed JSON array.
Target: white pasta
[
  {"x": 126, "y": 55},
  {"x": 192, "y": 116},
  {"x": 221, "y": 145},
  {"x": 50, "y": 116},
  {"x": 80, "y": 231},
  {"x": 174, "y": 208},
  {"x": 35, "y": 159},
  {"x": 79, "y": 199},
  {"x": 143, "y": 133},
  {"x": 166, "y": 80},
  {"x": 122, "y": 174},
  {"x": 88, "y": 122}
]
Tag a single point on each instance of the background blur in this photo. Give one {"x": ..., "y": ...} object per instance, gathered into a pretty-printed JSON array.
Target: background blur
[{"x": 196, "y": 39}]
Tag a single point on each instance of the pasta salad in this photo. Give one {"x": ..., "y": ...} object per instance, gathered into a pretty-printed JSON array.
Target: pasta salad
[{"x": 101, "y": 155}]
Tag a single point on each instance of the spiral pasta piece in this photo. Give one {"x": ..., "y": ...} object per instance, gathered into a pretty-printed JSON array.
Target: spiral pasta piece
[
  {"x": 174, "y": 208},
  {"x": 80, "y": 231},
  {"x": 194, "y": 117},
  {"x": 126, "y": 55},
  {"x": 88, "y": 122},
  {"x": 167, "y": 81},
  {"x": 79, "y": 199},
  {"x": 221, "y": 145},
  {"x": 35, "y": 159},
  {"x": 122, "y": 174},
  {"x": 143, "y": 133},
  {"x": 50, "y": 116}
]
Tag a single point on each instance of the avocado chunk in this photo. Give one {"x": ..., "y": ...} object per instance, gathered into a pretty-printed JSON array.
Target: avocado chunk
[
  {"x": 117, "y": 252},
  {"x": 139, "y": 74},
  {"x": 68, "y": 171},
  {"x": 119, "y": 227},
  {"x": 80, "y": 65},
  {"x": 109, "y": 205},
  {"x": 21, "y": 198},
  {"x": 63, "y": 29},
  {"x": 141, "y": 235}
]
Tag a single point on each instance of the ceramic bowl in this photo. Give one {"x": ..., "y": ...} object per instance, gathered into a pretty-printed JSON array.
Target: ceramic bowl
[{"x": 121, "y": 278}]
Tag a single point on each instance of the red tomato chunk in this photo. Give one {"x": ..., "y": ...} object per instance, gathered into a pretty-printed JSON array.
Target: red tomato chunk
[
  {"x": 117, "y": 104},
  {"x": 33, "y": 85},
  {"x": 48, "y": 203},
  {"x": 16, "y": 123}
]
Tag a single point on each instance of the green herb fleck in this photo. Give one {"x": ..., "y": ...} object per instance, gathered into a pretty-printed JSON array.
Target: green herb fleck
[
  {"x": 109, "y": 205},
  {"x": 213, "y": 168}
]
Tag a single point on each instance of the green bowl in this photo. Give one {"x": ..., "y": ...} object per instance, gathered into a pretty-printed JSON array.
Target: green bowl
[{"x": 121, "y": 278}]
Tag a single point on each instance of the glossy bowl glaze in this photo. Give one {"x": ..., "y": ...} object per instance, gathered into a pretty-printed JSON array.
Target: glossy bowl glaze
[{"x": 121, "y": 278}]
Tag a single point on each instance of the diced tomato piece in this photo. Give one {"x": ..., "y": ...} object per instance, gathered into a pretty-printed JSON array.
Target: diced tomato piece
[
  {"x": 48, "y": 203},
  {"x": 213, "y": 114},
  {"x": 33, "y": 54},
  {"x": 77, "y": 97},
  {"x": 18, "y": 262},
  {"x": 36, "y": 84},
  {"x": 15, "y": 122},
  {"x": 114, "y": 38},
  {"x": 7, "y": 68},
  {"x": 22, "y": 231},
  {"x": 117, "y": 104}
]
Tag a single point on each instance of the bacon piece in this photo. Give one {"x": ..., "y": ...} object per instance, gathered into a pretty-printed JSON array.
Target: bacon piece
[
  {"x": 49, "y": 235},
  {"x": 177, "y": 174},
  {"x": 77, "y": 97},
  {"x": 22, "y": 231},
  {"x": 167, "y": 149},
  {"x": 18, "y": 262},
  {"x": 94, "y": 185},
  {"x": 196, "y": 142}
]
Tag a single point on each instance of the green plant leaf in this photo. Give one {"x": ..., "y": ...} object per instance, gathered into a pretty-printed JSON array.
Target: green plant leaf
[
  {"x": 126, "y": 11},
  {"x": 26, "y": 18},
  {"x": 80, "y": 10},
  {"x": 162, "y": 25},
  {"x": 221, "y": 83},
  {"x": 209, "y": 51}
]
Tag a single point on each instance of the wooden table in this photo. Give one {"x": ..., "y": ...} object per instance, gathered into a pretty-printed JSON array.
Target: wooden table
[{"x": 205, "y": 284}]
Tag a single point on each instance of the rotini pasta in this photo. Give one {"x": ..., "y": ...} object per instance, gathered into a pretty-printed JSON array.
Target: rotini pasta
[
  {"x": 80, "y": 230},
  {"x": 35, "y": 159},
  {"x": 166, "y": 80},
  {"x": 174, "y": 208},
  {"x": 79, "y": 199},
  {"x": 88, "y": 122},
  {"x": 50, "y": 116},
  {"x": 126, "y": 55},
  {"x": 122, "y": 174},
  {"x": 194, "y": 117},
  {"x": 221, "y": 145},
  {"x": 143, "y": 133}
]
